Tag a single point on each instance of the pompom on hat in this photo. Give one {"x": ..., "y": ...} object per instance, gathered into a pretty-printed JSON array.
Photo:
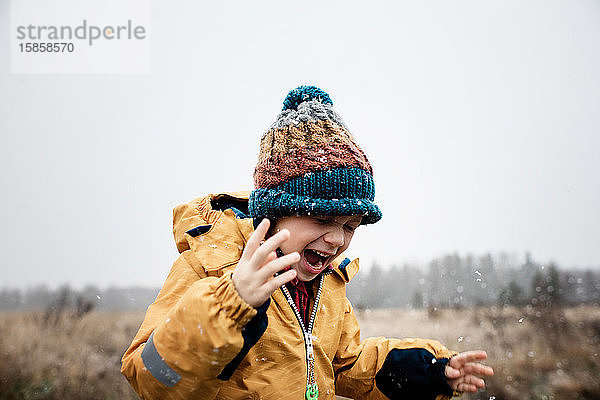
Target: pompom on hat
[{"x": 309, "y": 164}]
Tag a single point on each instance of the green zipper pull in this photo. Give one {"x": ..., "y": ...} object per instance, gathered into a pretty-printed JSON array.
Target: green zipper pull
[{"x": 312, "y": 392}]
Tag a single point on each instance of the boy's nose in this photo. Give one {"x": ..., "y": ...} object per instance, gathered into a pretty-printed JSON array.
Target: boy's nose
[{"x": 335, "y": 237}]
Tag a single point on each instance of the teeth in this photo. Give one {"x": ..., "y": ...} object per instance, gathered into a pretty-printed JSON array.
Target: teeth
[{"x": 321, "y": 254}]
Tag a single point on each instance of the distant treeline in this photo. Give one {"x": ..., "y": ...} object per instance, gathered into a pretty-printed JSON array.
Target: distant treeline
[
  {"x": 80, "y": 301},
  {"x": 454, "y": 281},
  {"x": 450, "y": 281}
]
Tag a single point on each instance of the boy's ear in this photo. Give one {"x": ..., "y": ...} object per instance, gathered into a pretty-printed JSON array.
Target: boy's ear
[
  {"x": 271, "y": 231},
  {"x": 257, "y": 221}
]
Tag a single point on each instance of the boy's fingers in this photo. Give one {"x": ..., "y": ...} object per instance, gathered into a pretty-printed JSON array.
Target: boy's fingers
[
  {"x": 281, "y": 280},
  {"x": 466, "y": 387},
  {"x": 478, "y": 369},
  {"x": 270, "y": 245},
  {"x": 256, "y": 238},
  {"x": 272, "y": 256},
  {"x": 473, "y": 380},
  {"x": 468, "y": 356},
  {"x": 268, "y": 270},
  {"x": 451, "y": 372}
]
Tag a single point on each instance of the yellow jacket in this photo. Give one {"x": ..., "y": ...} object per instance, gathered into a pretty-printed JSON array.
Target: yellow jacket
[{"x": 200, "y": 340}]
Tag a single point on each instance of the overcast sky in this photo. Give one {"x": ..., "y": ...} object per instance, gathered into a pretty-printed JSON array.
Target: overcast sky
[{"x": 481, "y": 121}]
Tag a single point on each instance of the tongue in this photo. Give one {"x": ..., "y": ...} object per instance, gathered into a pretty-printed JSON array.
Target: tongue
[{"x": 312, "y": 257}]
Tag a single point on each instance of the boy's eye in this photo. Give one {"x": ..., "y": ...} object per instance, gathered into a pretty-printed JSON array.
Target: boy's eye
[{"x": 351, "y": 228}]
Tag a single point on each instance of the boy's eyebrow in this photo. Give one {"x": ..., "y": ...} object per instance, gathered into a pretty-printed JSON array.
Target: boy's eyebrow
[{"x": 355, "y": 220}]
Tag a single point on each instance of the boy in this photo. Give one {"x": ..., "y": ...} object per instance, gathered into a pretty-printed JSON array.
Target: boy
[{"x": 255, "y": 307}]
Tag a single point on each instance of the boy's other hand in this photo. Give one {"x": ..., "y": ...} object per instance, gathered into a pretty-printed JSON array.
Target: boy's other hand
[
  {"x": 464, "y": 372},
  {"x": 254, "y": 275}
]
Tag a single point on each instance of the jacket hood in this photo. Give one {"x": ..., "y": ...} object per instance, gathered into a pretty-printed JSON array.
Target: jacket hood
[{"x": 211, "y": 229}]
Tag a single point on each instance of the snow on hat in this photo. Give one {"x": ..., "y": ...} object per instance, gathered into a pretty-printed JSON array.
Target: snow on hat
[{"x": 309, "y": 164}]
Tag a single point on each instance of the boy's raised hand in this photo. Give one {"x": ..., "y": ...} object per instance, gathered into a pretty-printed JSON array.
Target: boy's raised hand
[
  {"x": 253, "y": 277},
  {"x": 463, "y": 371}
]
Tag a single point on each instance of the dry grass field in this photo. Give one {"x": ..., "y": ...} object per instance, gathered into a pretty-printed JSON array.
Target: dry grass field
[{"x": 550, "y": 354}]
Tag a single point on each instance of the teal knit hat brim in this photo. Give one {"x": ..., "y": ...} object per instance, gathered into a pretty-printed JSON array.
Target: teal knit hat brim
[
  {"x": 275, "y": 204},
  {"x": 316, "y": 194}
]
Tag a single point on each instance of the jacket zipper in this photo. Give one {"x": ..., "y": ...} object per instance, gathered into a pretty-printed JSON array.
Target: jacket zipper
[{"x": 312, "y": 389}]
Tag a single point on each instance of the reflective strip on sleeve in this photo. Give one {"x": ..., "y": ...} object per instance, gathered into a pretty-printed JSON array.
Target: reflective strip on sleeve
[{"x": 157, "y": 366}]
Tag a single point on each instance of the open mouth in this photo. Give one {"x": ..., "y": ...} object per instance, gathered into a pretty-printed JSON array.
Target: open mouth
[{"x": 316, "y": 261}]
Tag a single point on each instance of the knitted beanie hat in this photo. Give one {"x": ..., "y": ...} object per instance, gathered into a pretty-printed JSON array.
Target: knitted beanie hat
[{"x": 309, "y": 164}]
